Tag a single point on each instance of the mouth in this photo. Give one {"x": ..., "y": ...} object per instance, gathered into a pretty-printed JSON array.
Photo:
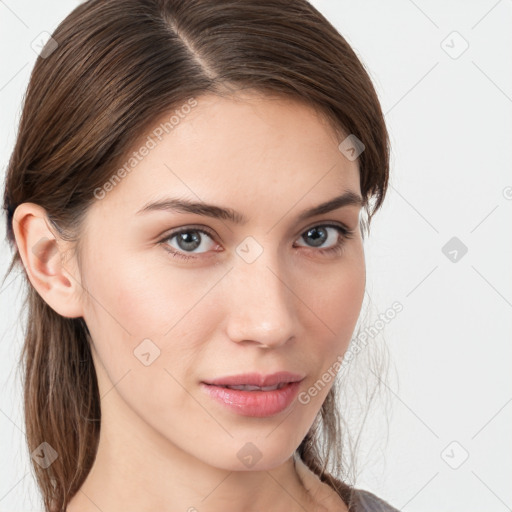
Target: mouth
[
  {"x": 255, "y": 395},
  {"x": 248, "y": 387},
  {"x": 257, "y": 381}
]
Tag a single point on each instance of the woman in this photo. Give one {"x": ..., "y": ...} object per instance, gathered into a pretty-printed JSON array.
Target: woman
[{"x": 185, "y": 197}]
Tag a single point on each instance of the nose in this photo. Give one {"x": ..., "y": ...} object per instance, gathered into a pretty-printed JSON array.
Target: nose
[{"x": 262, "y": 309}]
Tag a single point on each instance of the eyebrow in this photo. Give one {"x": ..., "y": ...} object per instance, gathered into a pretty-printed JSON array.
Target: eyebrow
[{"x": 349, "y": 198}]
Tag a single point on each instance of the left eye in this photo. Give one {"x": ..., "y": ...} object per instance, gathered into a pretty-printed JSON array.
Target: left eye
[{"x": 319, "y": 234}]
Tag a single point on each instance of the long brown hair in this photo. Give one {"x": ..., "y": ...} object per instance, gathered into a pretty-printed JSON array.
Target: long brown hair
[{"x": 112, "y": 69}]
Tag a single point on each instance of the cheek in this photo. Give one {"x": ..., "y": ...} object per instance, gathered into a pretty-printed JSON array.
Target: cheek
[
  {"x": 335, "y": 300},
  {"x": 346, "y": 301},
  {"x": 148, "y": 325},
  {"x": 143, "y": 294},
  {"x": 135, "y": 300},
  {"x": 338, "y": 302},
  {"x": 336, "y": 296}
]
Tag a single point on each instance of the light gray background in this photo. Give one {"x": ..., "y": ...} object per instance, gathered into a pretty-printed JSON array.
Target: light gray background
[{"x": 450, "y": 121}]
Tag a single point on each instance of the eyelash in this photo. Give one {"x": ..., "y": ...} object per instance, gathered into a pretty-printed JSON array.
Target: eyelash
[{"x": 345, "y": 234}]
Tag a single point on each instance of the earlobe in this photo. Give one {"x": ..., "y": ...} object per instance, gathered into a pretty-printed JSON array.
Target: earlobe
[{"x": 42, "y": 252}]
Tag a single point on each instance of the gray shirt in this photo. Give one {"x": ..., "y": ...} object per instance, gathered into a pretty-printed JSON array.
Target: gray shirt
[
  {"x": 357, "y": 500},
  {"x": 365, "y": 501}
]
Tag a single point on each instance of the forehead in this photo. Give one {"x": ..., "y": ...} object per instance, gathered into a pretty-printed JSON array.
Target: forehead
[{"x": 236, "y": 148}]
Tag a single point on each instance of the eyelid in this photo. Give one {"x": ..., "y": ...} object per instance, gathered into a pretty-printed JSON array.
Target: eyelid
[
  {"x": 189, "y": 227},
  {"x": 213, "y": 235},
  {"x": 326, "y": 223}
]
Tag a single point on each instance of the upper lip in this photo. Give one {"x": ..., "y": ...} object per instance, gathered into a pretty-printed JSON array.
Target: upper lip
[{"x": 256, "y": 379}]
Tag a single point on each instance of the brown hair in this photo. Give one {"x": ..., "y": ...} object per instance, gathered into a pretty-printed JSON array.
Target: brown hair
[{"x": 118, "y": 66}]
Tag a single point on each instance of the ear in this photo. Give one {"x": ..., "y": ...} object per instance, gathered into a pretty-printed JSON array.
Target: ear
[{"x": 43, "y": 254}]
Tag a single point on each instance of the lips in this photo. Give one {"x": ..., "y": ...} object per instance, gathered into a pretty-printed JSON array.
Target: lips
[
  {"x": 257, "y": 381},
  {"x": 255, "y": 400},
  {"x": 247, "y": 387},
  {"x": 255, "y": 394}
]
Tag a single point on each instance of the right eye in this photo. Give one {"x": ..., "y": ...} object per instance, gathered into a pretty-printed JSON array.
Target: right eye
[{"x": 187, "y": 240}]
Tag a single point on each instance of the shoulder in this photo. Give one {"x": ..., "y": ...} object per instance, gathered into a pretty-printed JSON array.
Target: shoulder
[
  {"x": 327, "y": 499},
  {"x": 365, "y": 501}
]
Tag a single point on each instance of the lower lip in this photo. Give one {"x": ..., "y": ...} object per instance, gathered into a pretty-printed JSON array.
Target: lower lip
[{"x": 254, "y": 403}]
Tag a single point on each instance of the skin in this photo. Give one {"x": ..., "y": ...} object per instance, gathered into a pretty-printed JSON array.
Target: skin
[{"x": 165, "y": 444}]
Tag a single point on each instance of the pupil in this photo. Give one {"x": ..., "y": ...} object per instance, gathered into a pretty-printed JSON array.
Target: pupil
[
  {"x": 318, "y": 240},
  {"x": 184, "y": 239}
]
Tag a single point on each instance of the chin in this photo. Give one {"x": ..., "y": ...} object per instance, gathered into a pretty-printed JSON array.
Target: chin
[{"x": 263, "y": 453}]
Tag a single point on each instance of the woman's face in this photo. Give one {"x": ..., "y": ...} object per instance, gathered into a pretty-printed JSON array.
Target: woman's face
[{"x": 278, "y": 291}]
